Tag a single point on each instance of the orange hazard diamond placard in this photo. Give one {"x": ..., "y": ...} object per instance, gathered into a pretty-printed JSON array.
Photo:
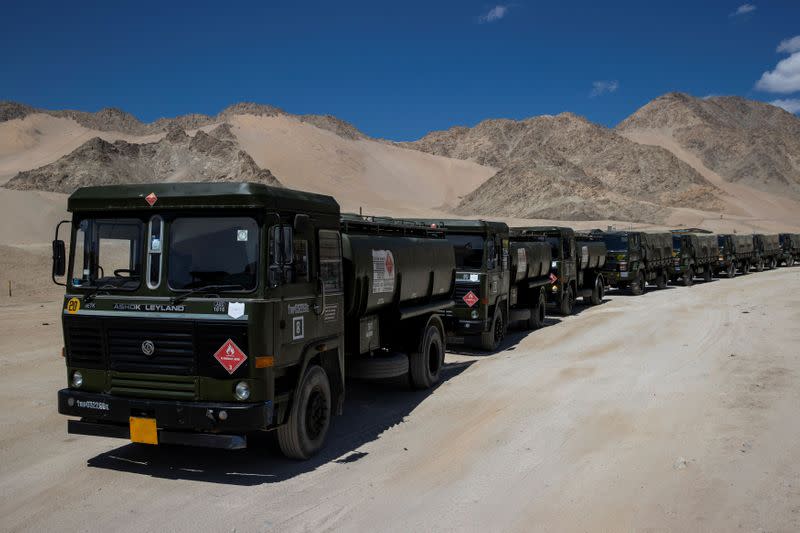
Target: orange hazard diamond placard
[
  {"x": 470, "y": 299},
  {"x": 230, "y": 356}
]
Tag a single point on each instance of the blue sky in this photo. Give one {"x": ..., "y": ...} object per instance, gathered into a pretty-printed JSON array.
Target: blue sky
[{"x": 395, "y": 70}]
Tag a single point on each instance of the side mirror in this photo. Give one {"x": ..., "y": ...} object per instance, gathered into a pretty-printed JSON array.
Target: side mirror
[
  {"x": 302, "y": 224},
  {"x": 59, "y": 258}
]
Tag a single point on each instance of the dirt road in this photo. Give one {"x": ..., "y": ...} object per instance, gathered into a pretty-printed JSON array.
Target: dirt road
[{"x": 672, "y": 411}]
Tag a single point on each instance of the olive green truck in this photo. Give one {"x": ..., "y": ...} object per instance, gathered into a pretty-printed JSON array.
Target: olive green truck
[
  {"x": 576, "y": 268},
  {"x": 200, "y": 313},
  {"x": 635, "y": 258},
  {"x": 498, "y": 281}
]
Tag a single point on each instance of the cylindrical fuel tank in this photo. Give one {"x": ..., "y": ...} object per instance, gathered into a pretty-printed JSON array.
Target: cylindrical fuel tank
[
  {"x": 591, "y": 254},
  {"x": 530, "y": 260},
  {"x": 382, "y": 270}
]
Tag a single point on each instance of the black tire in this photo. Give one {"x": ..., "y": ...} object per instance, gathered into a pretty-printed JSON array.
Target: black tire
[
  {"x": 598, "y": 291},
  {"x": 661, "y": 281},
  {"x": 425, "y": 364},
  {"x": 538, "y": 312},
  {"x": 491, "y": 339},
  {"x": 760, "y": 266},
  {"x": 638, "y": 284},
  {"x": 790, "y": 262},
  {"x": 773, "y": 264},
  {"x": 567, "y": 302},
  {"x": 688, "y": 277},
  {"x": 383, "y": 366},
  {"x": 303, "y": 434},
  {"x": 707, "y": 274},
  {"x": 731, "y": 270}
]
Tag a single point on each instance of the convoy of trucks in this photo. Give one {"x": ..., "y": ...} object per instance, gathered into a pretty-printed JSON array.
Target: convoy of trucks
[{"x": 200, "y": 313}]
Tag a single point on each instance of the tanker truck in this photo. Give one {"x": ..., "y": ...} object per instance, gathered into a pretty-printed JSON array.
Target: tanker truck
[
  {"x": 576, "y": 266},
  {"x": 497, "y": 281},
  {"x": 200, "y": 313},
  {"x": 767, "y": 251}
]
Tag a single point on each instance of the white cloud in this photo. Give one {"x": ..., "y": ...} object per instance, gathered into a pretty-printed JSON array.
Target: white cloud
[
  {"x": 602, "y": 87},
  {"x": 494, "y": 14},
  {"x": 784, "y": 79},
  {"x": 792, "y": 105},
  {"x": 743, "y": 10},
  {"x": 790, "y": 45}
]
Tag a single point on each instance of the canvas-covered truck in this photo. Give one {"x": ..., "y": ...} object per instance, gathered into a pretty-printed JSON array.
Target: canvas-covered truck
[
  {"x": 635, "y": 258},
  {"x": 726, "y": 260},
  {"x": 497, "y": 282},
  {"x": 743, "y": 251},
  {"x": 576, "y": 267},
  {"x": 693, "y": 254},
  {"x": 767, "y": 251},
  {"x": 198, "y": 313},
  {"x": 790, "y": 249}
]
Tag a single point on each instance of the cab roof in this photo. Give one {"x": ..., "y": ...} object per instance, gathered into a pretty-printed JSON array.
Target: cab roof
[
  {"x": 199, "y": 196},
  {"x": 466, "y": 225}
]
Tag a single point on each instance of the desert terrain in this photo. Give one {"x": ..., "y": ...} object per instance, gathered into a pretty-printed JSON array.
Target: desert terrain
[{"x": 672, "y": 411}]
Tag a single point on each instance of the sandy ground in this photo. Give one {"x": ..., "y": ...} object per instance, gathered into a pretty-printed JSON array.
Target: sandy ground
[{"x": 675, "y": 411}]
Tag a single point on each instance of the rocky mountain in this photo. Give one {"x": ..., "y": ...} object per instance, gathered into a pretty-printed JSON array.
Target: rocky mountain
[
  {"x": 112, "y": 119},
  {"x": 213, "y": 156},
  {"x": 567, "y": 167},
  {"x": 744, "y": 141}
]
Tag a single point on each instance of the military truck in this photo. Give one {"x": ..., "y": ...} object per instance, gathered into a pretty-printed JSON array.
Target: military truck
[
  {"x": 693, "y": 254},
  {"x": 635, "y": 258},
  {"x": 790, "y": 248},
  {"x": 198, "y": 313},
  {"x": 576, "y": 267},
  {"x": 726, "y": 260},
  {"x": 497, "y": 282},
  {"x": 743, "y": 251},
  {"x": 767, "y": 251}
]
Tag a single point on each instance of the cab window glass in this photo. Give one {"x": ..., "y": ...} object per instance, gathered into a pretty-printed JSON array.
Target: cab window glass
[
  {"x": 330, "y": 260},
  {"x": 300, "y": 252}
]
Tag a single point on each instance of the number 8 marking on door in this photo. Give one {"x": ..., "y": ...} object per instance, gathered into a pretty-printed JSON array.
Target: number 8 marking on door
[{"x": 298, "y": 328}]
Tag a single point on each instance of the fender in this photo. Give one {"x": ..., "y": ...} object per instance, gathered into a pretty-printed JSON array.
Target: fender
[{"x": 312, "y": 350}]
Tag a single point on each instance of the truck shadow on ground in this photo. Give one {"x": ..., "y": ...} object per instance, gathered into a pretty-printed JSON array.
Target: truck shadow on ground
[
  {"x": 515, "y": 334},
  {"x": 370, "y": 409}
]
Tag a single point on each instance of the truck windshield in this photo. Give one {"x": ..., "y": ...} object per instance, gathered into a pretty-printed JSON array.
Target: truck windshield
[
  {"x": 721, "y": 242},
  {"x": 468, "y": 250},
  {"x": 213, "y": 251},
  {"x": 107, "y": 253},
  {"x": 616, "y": 243},
  {"x": 676, "y": 243}
]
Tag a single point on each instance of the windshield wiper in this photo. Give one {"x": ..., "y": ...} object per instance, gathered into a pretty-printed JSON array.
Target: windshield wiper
[
  {"x": 90, "y": 295},
  {"x": 206, "y": 288}
]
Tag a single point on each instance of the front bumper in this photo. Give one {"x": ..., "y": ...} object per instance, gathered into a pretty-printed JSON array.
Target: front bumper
[{"x": 178, "y": 422}]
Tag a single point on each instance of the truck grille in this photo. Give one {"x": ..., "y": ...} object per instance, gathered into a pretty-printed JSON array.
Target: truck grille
[
  {"x": 84, "y": 343},
  {"x": 181, "y": 347},
  {"x": 177, "y": 388},
  {"x": 172, "y": 342},
  {"x": 462, "y": 290}
]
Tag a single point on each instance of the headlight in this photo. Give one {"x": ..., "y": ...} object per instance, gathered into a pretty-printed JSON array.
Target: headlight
[
  {"x": 721, "y": 258},
  {"x": 242, "y": 391},
  {"x": 623, "y": 266},
  {"x": 77, "y": 379},
  {"x": 474, "y": 314},
  {"x": 553, "y": 264}
]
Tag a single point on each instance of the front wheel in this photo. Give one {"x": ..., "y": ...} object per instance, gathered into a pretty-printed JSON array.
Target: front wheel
[
  {"x": 731, "y": 270},
  {"x": 773, "y": 264},
  {"x": 536, "y": 320},
  {"x": 661, "y": 281},
  {"x": 425, "y": 364},
  {"x": 760, "y": 266},
  {"x": 638, "y": 285},
  {"x": 688, "y": 278},
  {"x": 491, "y": 339},
  {"x": 597, "y": 292},
  {"x": 567, "y": 301},
  {"x": 303, "y": 434},
  {"x": 707, "y": 274}
]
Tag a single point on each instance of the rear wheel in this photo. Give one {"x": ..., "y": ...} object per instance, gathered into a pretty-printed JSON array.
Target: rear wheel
[
  {"x": 790, "y": 261},
  {"x": 304, "y": 432},
  {"x": 567, "y": 301},
  {"x": 638, "y": 284},
  {"x": 707, "y": 274},
  {"x": 773, "y": 264},
  {"x": 536, "y": 319},
  {"x": 731, "y": 270},
  {"x": 425, "y": 364},
  {"x": 597, "y": 292},
  {"x": 491, "y": 339},
  {"x": 760, "y": 266}
]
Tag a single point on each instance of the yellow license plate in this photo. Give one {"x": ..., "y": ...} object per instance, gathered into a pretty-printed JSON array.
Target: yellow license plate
[{"x": 143, "y": 430}]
